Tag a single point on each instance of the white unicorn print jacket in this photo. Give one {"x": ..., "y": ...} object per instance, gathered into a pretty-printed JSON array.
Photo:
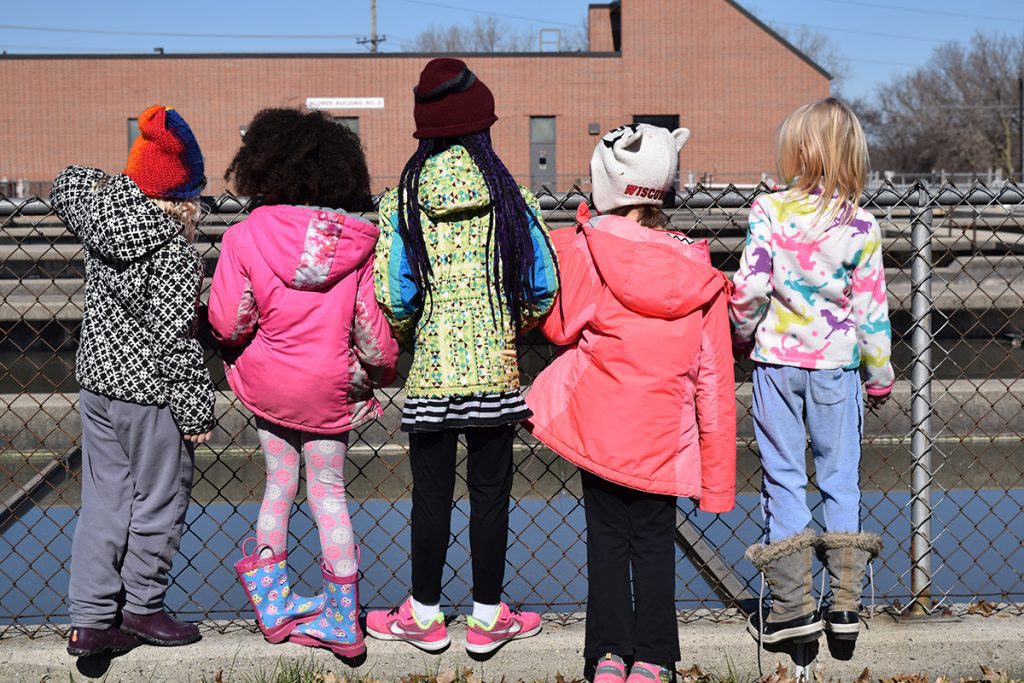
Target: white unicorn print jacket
[{"x": 811, "y": 293}]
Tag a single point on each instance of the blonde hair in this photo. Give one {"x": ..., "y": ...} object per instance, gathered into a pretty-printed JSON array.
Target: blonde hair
[
  {"x": 186, "y": 211},
  {"x": 821, "y": 147}
]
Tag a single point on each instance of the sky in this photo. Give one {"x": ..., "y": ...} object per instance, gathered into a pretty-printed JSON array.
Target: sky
[{"x": 879, "y": 39}]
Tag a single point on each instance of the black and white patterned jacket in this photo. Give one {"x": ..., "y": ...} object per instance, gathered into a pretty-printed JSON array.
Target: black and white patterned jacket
[{"x": 138, "y": 340}]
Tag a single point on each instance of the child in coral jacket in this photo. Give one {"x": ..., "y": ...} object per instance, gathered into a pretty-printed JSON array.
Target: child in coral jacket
[
  {"x": 642, "y": 399},
  {"x": 809, "y": 308},
  {"x": 294, "y": 290}
]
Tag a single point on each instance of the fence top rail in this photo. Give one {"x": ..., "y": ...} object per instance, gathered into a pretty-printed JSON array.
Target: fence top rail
[{"x": 698, "y": 197}]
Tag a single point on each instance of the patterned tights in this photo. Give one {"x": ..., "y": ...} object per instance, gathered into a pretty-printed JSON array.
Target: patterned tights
[{"x": 325, "y": 491}]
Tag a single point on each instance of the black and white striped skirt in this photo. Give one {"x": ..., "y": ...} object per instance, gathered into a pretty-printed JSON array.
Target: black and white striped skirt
[{"x": 429, "y": 414}]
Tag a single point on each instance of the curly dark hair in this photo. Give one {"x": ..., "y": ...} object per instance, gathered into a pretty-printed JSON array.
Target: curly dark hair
[{"x": 294, "y": 157}]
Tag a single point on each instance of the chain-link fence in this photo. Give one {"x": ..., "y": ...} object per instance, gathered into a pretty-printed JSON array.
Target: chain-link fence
[{"x": 942, "y": 471}]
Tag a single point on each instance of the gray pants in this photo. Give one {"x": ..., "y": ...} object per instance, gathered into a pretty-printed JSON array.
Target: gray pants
[{"x": 136, "y": 485}]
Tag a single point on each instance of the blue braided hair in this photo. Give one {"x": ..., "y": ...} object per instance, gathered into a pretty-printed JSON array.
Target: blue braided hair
[{"x": 508, "y": 227}]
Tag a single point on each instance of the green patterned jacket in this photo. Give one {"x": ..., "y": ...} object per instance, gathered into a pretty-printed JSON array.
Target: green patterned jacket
[{"x": 456, "y": 342}]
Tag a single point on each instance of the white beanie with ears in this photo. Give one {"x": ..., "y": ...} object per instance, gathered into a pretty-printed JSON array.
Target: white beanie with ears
[{"x": 635, "y": 164}]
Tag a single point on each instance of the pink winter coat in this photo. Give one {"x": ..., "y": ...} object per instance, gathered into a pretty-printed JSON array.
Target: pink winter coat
[
  {"x": 644, "y": 395},
  {"x": 294, "y": 288}
]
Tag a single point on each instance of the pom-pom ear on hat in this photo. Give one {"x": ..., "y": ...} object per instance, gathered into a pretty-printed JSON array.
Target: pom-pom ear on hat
[
  {"x": 451, "y": 101},
  {"x": 635, "y": 164},
  {"x": 165, "y": 161}
]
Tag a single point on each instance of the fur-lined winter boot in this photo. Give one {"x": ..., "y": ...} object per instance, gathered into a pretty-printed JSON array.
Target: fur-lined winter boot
[
  {"x": 846, "y": 555},
  {"x": 786, "y": 566}
]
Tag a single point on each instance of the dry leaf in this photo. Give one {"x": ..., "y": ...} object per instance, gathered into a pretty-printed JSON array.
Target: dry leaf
[
  {"x": 982, "y": 607},
  {"x": 865, "y": 676},
  {"x": 446, "y": 677},
  {"x": 219, "y": 676}
]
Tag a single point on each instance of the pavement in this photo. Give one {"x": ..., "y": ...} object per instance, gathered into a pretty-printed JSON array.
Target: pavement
[{"x": 955, "y": 647}]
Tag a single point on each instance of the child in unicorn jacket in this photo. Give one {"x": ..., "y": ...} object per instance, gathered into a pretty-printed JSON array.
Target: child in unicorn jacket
[{"x": 809, "y": 308}]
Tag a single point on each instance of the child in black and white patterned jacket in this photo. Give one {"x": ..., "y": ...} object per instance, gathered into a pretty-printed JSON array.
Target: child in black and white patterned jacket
[{"x": 146, "y": 397}]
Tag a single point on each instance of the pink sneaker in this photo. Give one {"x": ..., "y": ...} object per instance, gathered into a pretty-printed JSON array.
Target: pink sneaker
[
  {"x": 400, "y": 624},
  {"x": 642, "y": 672},
  {"x": 610, "y": 669},
  {"x": 509, "y": 625}
]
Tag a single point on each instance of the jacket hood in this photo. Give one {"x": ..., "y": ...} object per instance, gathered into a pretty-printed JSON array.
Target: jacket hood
[
  {"x": 451, "y": 182},
  {"x": 649, "y": 271},
  {"x": 309, "y": 248},
  {"x": 125, "y": 224}
]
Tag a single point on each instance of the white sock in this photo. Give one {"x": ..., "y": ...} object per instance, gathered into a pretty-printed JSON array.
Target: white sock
[
  {"x": 424, "y": 613},
  {"x": 486, "y": 614}
]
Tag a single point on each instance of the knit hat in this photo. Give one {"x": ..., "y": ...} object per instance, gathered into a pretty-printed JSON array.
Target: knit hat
[
  {"x": 165, "y": 160},
  {"x": 635, "y": 164},
  {"x": 451, "y": 101}
]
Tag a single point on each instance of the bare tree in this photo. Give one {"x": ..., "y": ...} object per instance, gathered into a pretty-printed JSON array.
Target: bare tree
[
  {"x": 820, "y": 49},
  {"x": 955, "y": 112},
  {"x": 488, "y": 34},
  {"x": 485, "y": 34}
]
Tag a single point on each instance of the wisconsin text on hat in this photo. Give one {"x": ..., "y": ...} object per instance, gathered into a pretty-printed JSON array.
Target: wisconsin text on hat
[{"x": 646, "y": 192}]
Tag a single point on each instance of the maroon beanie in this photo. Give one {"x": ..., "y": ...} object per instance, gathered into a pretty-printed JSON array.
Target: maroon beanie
[{"x": 451, "y": 101}]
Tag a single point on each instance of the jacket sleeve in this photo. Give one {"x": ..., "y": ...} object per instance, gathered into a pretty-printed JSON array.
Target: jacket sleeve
[
  {"x": 871, "y": 308},
  {"x": 177, "y": 279},
  {"x": 752, "y": 283},
  {"x": 544, "y": 278},
  {"x": 396, "y": 289},
  {"x": 716, "y": 410},
  {"x": 577, "y": 299},
  {"x": 72, "y": 194},
  {"x": 374, "y": 345},
  {"x": 233, "y": 311}
]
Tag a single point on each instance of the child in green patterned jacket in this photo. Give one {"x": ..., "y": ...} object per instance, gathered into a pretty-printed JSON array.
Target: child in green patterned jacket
[{"x": 464, "y": 265}]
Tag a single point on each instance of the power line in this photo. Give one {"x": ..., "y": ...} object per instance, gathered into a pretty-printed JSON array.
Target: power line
[
  {"x": 475, "y": 10},
  {"x": 163, "y": 34},
  {"x": 836, "y": 29},
  {"x": 932, "y": 12}
]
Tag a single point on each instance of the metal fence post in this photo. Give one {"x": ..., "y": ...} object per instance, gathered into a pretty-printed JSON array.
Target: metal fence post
[{"x": 921, "y": 404}]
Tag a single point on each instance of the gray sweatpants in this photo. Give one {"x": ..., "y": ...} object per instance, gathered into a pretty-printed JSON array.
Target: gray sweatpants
[{"x": 136, "y": 485}]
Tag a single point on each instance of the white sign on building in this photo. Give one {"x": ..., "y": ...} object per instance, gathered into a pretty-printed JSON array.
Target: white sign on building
[{"x": 344, "y": 102}]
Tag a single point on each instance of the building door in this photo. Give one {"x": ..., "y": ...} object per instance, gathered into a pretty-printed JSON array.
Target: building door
[{"x": 542, "y": 153}]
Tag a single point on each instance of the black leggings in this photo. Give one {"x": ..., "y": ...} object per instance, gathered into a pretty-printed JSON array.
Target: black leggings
[
  {"x": 489, "y": 475},
  {"x": 629, "y": 529}
]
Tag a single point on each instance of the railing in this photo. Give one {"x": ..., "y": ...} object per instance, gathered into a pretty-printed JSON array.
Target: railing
[{"x": 942, "y": 471}]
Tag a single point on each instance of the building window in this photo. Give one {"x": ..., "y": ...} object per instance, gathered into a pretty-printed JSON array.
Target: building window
[
  {"x": 350, "y": 122},
  {"x": 133, "y": 132}
]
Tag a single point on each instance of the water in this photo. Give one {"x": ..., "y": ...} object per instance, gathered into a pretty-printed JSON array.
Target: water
[{"x": 978, "y": 552}]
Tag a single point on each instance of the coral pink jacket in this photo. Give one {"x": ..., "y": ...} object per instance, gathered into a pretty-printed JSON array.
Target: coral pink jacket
[
  {"x": 644, "y": 395},
  {"x": 294, "y": 289}
]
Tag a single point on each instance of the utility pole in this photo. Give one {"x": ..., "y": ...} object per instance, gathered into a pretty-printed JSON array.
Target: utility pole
[
  {"x": 374, "y": 40},
  {"x": 1020, "y": 122}
]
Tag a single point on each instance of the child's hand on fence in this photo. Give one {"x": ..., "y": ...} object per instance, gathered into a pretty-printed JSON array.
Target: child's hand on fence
[
  {"x": 198, "y": 439},
  {"x": 878, "y": 400}
]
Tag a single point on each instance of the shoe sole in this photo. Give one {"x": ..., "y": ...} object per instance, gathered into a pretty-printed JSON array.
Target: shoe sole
[
  {"x": 150, "y": 640},
  {"x": 797, "y": 635},
  {"x": 432, "y": 646},
  {"x": 276, "y": 636},
  {"x": 491, "y": 647},
  {"x": 843, "y": 631},
  {"x": 77, "y": 652},
  {"x": 349, "y": 650}
]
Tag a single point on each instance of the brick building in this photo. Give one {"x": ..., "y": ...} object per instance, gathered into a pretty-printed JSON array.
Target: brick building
[{"x": 706, "y": 64}]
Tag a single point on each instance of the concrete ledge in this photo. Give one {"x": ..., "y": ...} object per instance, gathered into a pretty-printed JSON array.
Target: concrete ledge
[{"x": 955, "y": 648}]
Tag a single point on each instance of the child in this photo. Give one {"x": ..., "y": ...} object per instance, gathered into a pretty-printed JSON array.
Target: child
[
  {"x": 294, "y": 290},
  {"x": 146, "y": 399},
  {"x": 463, "y": 267},
  {"x": 809, "y": 306},
  {"x": 643, "y": 316}
]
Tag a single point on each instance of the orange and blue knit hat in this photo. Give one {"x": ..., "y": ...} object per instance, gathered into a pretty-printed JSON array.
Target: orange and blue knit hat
[{"x": 165, "y": 160}]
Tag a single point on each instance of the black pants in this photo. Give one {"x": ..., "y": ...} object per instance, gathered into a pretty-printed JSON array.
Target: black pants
[
  {"x": 629, "y": 529},
  {"x": 489, "y": 475}
]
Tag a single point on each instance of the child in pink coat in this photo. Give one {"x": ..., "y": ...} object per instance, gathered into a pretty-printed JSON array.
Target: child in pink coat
[
  {"x": 293, "y": 291},
  {"x": 642, "y": 399}
]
